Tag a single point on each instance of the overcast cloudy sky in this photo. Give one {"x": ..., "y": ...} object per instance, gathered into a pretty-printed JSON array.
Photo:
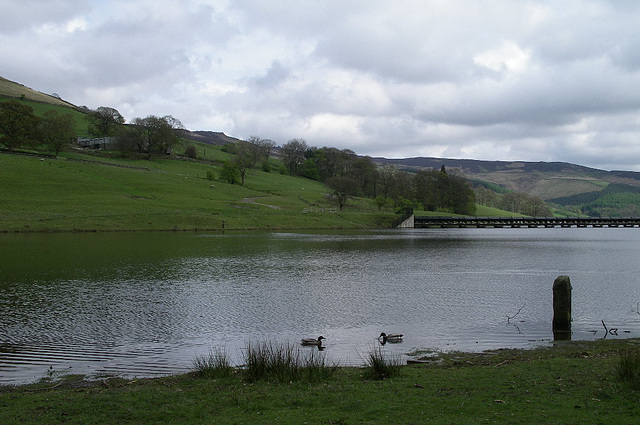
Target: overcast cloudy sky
[{"x": 534, "y": 80}]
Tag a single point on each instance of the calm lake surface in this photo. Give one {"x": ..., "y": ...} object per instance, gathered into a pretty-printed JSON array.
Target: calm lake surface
[{"x": 146, "y": 304}]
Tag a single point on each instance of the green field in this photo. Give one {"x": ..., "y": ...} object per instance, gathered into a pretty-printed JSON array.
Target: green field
[
  {"x": 79, "y": 192},
  {"x": 571, "y": 383}
]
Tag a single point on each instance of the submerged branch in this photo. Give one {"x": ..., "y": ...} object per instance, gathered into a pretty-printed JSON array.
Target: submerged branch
[{"x": 512, "y": 317}]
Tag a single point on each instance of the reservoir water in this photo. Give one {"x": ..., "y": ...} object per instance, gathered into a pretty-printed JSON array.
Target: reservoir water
[{"x": 146, "y": 304}]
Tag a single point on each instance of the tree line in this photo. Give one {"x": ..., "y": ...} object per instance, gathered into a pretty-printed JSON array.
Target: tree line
[
  {"x": 20, "y": 127},
  {"x": 517, "y": 202},
  {"x": 349, "y": 175}
]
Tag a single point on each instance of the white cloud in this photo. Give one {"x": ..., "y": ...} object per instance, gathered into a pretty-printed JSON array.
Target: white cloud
[{"x": 498, "y": 79}]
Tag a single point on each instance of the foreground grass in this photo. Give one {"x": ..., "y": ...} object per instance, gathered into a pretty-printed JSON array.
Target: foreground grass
[{"x": 570, "y": 383}]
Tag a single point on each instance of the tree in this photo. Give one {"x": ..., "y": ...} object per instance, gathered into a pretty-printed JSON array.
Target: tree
[
  {"x": 190, "y": 151},
  {"x": 155, "y": 134},
  {"x": 513, "y": 201},
  {"x": 437, "y": 190},
  {"x": 365, "y": 171},
  {"x": 18, "y": 125},
  {"x": 343, "y": 188},
  {"x": 244, "y": 157},
  {"x": 522, "y": 203},
  {"x": 254, "y": 150},
  {"x": 462, "y": 198},
  {"x": 293, "y": 155},
  {"x": 267, "y": 146},
  {"x": 104, "y": 121},
  {"x": 230, "y": 172},
  {"x": 57, "y": 130},
  {"x": 127, "y": 140}
]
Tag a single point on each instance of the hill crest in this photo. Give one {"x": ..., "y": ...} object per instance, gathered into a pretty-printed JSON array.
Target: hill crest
[
  {"x": 547, "y": 180},
  {"x": 17, "y": 91}
]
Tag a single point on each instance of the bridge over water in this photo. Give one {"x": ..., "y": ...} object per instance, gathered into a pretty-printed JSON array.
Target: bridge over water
[{"x": 516, "y": 222}]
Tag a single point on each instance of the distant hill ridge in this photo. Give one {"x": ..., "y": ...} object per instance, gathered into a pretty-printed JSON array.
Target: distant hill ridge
[
  {"x": 209, "y": 137},
  {"x": 547, "y": 180}
]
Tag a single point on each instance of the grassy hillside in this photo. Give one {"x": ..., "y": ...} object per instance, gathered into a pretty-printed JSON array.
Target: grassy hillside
[
  {"x": 85, "y": 193},
  {"x": 40, "y": 108},
  {"x": 15, "y": 90}
]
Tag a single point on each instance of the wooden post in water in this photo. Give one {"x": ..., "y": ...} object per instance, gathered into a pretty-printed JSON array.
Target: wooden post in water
[{"x": 562, "y": 308}]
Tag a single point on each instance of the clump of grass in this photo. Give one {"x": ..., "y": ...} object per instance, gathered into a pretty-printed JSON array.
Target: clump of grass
[
  {"x": 214, "y": 365},
  {"x": 628, "y": 368},
  {"x": 379, "y": 366},
  {"x": 284, "y": 362}
]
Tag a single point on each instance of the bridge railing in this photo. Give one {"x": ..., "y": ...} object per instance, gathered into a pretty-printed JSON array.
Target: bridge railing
[{"x": 515, "y": 222}]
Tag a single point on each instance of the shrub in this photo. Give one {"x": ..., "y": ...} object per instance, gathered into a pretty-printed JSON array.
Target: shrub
[
  {"x": 190, "y": 151},
  {"x": 211, "y": 175}
]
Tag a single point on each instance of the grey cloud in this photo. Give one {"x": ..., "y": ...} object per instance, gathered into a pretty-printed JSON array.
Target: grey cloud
[{"x": 527, "y": 80}]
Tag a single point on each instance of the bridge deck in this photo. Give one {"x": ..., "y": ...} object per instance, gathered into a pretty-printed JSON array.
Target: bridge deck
[{"x": 532, "y": 222}]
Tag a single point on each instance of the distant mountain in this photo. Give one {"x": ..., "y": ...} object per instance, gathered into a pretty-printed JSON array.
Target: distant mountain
[
  {"x": 209, "y": 137},
  {"x": 547, "y": 180}
]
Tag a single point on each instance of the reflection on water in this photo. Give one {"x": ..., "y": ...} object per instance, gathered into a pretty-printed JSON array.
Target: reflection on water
[{"x": 147, "y": 304}]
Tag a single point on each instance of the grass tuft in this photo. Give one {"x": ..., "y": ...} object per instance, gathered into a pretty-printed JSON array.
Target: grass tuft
[
  {"x": 628, "y": 368},
  {"x": 284, "y": 362},
  {"x": 214, "y": 365},
  {"x": 379, "y": 366}
]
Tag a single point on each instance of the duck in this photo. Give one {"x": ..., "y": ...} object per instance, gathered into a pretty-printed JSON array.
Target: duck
[
  {"x": 313, "y": 341},
  {"x": 393, "y": 338}
]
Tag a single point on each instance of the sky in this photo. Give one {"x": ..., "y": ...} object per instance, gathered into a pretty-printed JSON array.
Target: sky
[{"x": 526, "y": 80}]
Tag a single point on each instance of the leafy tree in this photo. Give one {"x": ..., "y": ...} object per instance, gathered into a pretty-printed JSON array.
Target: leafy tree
[
  {"x": 486, "y": 197},
  {"x": 365, "y": 171},
  {"x": 18, "y": 125},
  {"x": 522, "y": 203},
  {"x": 58, "y": 130},
  {"x": 387, "y": 178},
  {"x": 127, "y": 140},
  {"x": 462, "y": 198},
  {"x": 343, "y": 188},
  {"x": 293, "y": 155},
  {"x": 155, "y": 134},
  {"x": 309, "y": 169},
  {"x": 104, "y": 121},
  {"x": 230, "y": 172},
  {"x": 439, "y": 191},
  {"x": 536, "y": 207},
  {"x": 330, "y": 162}
]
